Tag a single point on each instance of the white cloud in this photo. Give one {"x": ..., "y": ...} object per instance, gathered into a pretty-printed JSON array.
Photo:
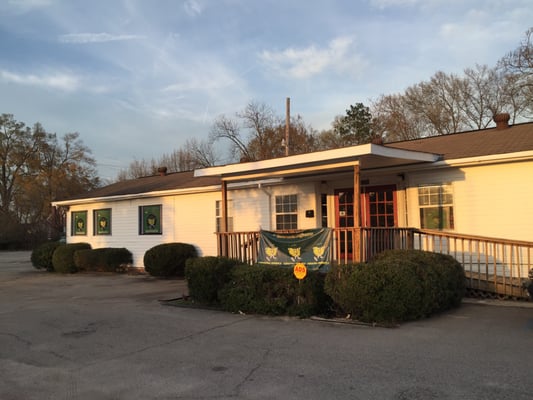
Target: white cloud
[
  {"x": 23, "y": 6},
  {"x": 193, "y": 8},
  {"x": 62, "y": 81},
  {"x": 382, "y": 4},
  {"x": 96, "y": 37},
  {"x": 205, "y": 79},
  {"x": 339, "y": 55}
]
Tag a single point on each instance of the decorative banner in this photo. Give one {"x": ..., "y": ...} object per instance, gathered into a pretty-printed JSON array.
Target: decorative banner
[
  {"x": 151, "y": 219},
  {"x": 311, "y": 247},
  {"x": 102, "y": 222},
  {"x": 79, "y": 223}
]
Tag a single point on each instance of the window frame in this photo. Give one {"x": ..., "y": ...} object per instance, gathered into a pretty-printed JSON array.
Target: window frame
[
  {"x": 151, "y": 209},
  {"x": 74, "y": 217},
  {"x": 286, "y": 212},
  {"x": 437, "y": 203},
  {"x": 218, "y": 215},
  {"x": 97, "y": 216}
]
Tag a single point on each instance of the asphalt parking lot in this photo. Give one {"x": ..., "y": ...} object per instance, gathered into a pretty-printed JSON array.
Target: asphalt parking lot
[{"x": 95, "y": 336}]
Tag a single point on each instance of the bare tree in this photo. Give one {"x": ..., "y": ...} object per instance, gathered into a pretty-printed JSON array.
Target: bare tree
[
  {"x": 480, "y": 98},
  {"x": 138, "y": 169},
  {"x": 35, "y": 169},
  {"x": 257, "y": 133},
  {"x": 226, "y": 128},
  {"x": 394, "y": 120},
  {"x": 520, "y": 60},
  {"x": 518, "y": 64},
  {"x": 194, "y": 154},
  {"x": 18, "y": 146}
]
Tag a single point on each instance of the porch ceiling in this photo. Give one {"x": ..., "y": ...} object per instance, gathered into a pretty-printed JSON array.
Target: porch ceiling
[{"x": 367, "y": 156}]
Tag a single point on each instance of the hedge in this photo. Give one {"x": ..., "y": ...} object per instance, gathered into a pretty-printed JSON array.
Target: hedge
[
  {"x": 273, "y": 291},
  {"x": 107, "y": 259},
  {"x": 63, "y": 257},
  {"x": 206, "y": 276},
  {"x": 398, "y": 285},
  {"x": 41, "y": 256},
  {"x": 168, "y": 259}
]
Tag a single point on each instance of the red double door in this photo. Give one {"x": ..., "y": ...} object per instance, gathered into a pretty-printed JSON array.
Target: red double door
[{"x": 378, "y": 209}]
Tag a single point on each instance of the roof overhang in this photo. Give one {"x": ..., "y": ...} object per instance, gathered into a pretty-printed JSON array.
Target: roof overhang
[
  {"x": 136, "y": 196},
  {"x": 367, "y": 156}
]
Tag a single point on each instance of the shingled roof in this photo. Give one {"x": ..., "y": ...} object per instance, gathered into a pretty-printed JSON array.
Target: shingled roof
[
  {"x": 484, "y": 142},
  {"x": 492, "y": 141},
  {"x": 156, "y": 183}
]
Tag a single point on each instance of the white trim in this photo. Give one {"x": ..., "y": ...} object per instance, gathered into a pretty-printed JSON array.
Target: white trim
[
  {"x": 490, "y": 159},
  {"x": 164, "y": 193},
  {"x": 161, "y": 193},
  {"x": 317, "y": 160}
]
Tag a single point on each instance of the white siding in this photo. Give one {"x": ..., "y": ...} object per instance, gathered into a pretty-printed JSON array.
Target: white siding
[
  {"x": 185, "y": 218},
  {"x": 489, "y": 200},
  {"x": 254, "y": 208},
  {"x": 251, "y": 209}
]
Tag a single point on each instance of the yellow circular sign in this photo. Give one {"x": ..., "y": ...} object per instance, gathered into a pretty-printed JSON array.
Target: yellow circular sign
[{"x": 300, "y": 271}]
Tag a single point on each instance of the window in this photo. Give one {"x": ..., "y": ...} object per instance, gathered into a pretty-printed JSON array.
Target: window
[
  {"x": 78, "y": 223},
  {"x": 324, "y": 209},
  {"x": 218, "y": 213},
  {"x": 286, "y": 212},
  {"x": 436, "y": 206},
  {"x": 150, "y": 222},
  {"x": 102, "y": 221}
]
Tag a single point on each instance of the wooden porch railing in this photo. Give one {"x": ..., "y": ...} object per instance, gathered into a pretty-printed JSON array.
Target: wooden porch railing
[
  {"x": 492, "y": 266},
  {"x": 497, "y": 266}
]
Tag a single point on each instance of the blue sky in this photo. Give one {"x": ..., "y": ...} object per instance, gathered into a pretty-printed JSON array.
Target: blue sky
[{"x": 137, "y": 78}]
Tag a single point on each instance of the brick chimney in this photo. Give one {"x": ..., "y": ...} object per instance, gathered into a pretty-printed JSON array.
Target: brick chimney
[
  {"x": 162, "y": 171},
  {"x": 502, "y": 120},
  {"x": 377, "y": 140}
]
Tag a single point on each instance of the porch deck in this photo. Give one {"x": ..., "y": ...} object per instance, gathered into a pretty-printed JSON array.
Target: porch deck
[{"x": 493, "y": 267}]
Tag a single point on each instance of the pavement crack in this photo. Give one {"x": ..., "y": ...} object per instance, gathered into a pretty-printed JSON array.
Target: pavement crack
[
  {"x": 250, "y": 374},
  {"x": 18, "y": 338},
  {"x": 168, "y": 342}
]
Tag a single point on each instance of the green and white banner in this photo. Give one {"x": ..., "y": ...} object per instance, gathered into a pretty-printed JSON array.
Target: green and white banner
[{"x": 311, "y": 247}]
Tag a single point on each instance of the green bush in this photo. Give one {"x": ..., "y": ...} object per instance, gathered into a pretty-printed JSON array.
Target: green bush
[
  {"x": 104, "y": 260},
  {"x": 206, "y": 276},
  {"x": 398, "y": 285},
  {"x": 41, "y": 256},
  {"x": 168, "y": 259},
  {"x": 273, "y": 291},
  {"x": 63, "y": 257}
]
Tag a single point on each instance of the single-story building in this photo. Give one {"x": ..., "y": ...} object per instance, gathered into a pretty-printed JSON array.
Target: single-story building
[{"x": 476, "y": 184}]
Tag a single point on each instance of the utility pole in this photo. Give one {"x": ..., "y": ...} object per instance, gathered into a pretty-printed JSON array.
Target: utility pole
[{"x": 287, "y": 125}]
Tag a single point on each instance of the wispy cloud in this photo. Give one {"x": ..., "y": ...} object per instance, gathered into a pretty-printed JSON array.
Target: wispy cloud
[
  {"x": 62, "y": 81},
  {"x": 23, "y": 6},
  {"x": 193, "y": 7},
  {"x": 96, "y": 37},
  {"x": 382, "y": 4},
  {"x": 339, "y": 55}
]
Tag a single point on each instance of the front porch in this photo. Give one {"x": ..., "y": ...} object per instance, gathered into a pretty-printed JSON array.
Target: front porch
[{"x": 493, "y": 267}]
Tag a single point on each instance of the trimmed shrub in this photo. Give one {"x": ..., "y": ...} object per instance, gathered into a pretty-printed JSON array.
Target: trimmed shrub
[
  {"x": 206, "y": 276},
  {"x": 168, "y": 259},
  {"x": 273, "y": 291},
  {"x": 103, "y": 260},
  {"x": 398, "y": 285},
  {"x": 63, "y": 257},
  {"x": 41, "y": 256},
  {"x": 339, "y": 285}
]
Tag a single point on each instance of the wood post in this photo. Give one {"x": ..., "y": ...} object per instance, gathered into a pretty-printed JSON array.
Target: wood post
[{"x": 357, "y": 250}]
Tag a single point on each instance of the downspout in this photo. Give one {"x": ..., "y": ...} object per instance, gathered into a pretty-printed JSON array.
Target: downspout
[
  {"x": 224, "y": 219},
  {"x": 269, "y": 196}
]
